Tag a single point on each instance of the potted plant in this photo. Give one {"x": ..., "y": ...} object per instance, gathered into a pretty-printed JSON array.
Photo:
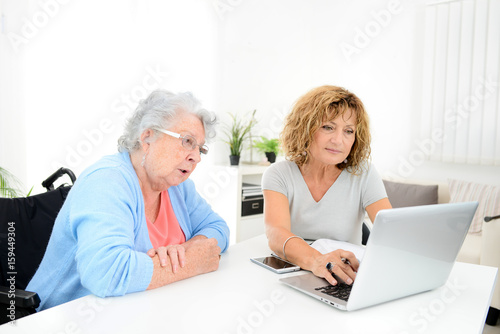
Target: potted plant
[
  {"x": 236, "y": 134},
  {"x": 269, "y": 146},
  {"x": 9, "y": 184}
]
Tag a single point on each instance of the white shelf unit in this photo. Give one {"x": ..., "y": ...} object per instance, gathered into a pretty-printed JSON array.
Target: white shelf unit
[{"x": 221, "y": 186}]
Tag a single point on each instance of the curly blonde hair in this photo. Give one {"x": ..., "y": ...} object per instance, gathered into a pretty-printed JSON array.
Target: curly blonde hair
[{"x": 307, "y": 116}]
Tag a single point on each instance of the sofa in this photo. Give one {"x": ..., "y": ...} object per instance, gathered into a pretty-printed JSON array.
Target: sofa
[{"x": 482, "y": 243}]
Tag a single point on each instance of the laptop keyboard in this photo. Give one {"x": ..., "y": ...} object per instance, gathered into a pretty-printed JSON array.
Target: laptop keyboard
[{"x": 341, "y": 290}]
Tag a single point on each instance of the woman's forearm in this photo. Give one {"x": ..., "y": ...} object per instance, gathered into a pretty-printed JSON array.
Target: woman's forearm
[
  {"x": 202, "y": 256},
  {"x": 295, "y": 249}
]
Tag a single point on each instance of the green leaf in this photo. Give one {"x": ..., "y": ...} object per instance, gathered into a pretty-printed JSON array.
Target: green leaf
[
  {"x": 9, "y": 184},
  {"x": 267, "y": 145},
  {"x": 237, "y": 132}
]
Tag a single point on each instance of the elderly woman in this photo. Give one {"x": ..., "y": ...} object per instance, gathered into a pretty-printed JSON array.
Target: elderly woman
[
  {"x": 133, "y": 221},
  {"x": 324, "y": 187}
]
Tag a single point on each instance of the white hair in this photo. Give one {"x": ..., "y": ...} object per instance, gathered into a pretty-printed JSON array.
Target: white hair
[{"x": 161, "y": 110}]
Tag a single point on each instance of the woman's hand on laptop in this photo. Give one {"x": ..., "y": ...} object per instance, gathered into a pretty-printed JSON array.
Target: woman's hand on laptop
[{"x": 339, "y": 262}]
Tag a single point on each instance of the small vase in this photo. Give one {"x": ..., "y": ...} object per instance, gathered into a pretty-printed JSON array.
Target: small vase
[
  {"x": 234, "y": 160},
  {"x": 271, "y": 157}
]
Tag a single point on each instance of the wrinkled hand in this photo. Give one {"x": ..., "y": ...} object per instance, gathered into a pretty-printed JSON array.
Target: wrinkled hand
[
  {"x": 176, "y": 254},
  {"x": 204, "y": 254},
  {"x": 346, "y": 271}
]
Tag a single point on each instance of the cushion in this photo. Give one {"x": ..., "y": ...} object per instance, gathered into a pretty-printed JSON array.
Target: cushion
[
  {"x": 488, "y": 197},
  {"x": 406, "y": 194}
]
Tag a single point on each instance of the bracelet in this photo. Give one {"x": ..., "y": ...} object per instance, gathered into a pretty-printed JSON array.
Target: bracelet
[{"x": 293, "y": 236}]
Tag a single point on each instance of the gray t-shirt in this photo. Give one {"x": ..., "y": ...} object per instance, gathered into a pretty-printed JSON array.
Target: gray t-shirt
[{"x": 339, "y": 214}]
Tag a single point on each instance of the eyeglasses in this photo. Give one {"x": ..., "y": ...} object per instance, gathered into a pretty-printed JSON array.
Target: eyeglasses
[{"x": 188, "y": 141}]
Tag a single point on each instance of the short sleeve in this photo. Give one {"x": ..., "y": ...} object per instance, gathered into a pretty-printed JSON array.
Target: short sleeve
[
  {"x": 274, "y": 178},
  {"x": 373, "y": 188}
]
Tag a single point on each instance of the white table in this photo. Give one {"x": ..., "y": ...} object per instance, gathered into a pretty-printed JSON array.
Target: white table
[{"x": 241, "y": 297}]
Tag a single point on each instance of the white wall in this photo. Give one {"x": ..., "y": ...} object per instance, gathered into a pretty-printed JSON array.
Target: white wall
[
  {"x": 274, "y": 51},
  {"x": 79, "y": 72},
  {"x": 85, "y": 66},
  {"x": 12, "y": 118}
]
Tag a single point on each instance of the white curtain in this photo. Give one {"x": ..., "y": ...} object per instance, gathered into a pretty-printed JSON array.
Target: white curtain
[{"x": 461, "y": 104}]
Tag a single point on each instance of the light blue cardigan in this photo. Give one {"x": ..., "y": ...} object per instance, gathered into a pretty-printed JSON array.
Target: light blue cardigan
[{"x": 100, "y": 237}]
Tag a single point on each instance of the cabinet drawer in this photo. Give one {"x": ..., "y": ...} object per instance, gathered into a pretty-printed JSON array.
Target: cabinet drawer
[{"x": 252, "y": 206}]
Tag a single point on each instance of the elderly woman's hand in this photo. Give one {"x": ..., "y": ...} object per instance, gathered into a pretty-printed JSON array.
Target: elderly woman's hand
[
  {"x": 343, "y": 264},
  {"x": 176, "y": 253},
  {"x": 201, "y": 255},
  {"x": 204, "y": 254}
]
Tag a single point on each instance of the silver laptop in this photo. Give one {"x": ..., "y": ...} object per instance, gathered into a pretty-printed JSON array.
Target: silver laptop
[{"x": 410, "y": 250}]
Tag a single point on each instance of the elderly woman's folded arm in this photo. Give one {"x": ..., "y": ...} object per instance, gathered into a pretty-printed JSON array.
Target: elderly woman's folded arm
[
  {"x": 107, "y": 256},
  {"x": 202, "y": 256},
  {"x": 109, "y": 260}
]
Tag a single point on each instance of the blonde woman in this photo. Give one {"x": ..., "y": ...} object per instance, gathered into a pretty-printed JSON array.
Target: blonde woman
[{"x": 325, "y": 185}]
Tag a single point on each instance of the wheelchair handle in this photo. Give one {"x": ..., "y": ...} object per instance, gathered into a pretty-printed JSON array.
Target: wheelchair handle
[
  {"x": 487, "y": 219},
  {"x": 48, "y": 183}
]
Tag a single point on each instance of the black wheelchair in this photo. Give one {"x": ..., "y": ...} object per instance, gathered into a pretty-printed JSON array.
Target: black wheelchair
[{"x": 25, "y": 227}]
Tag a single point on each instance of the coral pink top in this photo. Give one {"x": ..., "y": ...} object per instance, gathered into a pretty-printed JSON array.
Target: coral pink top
[{"x": 166, "y": 229}]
